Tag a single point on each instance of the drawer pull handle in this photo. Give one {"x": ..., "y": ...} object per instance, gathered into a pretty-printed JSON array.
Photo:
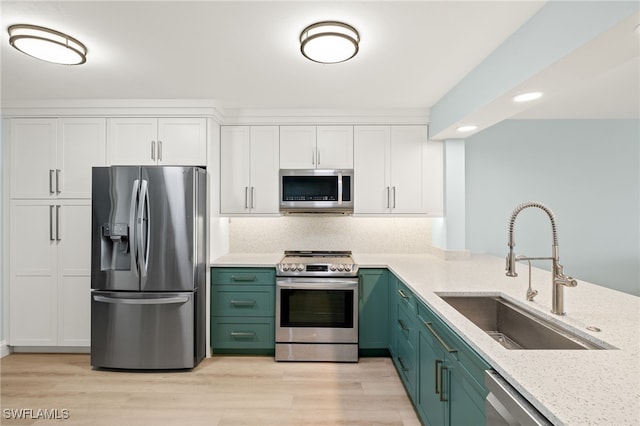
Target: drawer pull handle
[
  {"x": 243, "y": 303},
  {"x": 437, "y": 336},
  {"x": 402, "y": 365},
  {"x": 403, "y": 325},
  {"x": 243, "y": 277},
  {"x": 404, "y": 296},
  {"x": 243, "y": 334}
]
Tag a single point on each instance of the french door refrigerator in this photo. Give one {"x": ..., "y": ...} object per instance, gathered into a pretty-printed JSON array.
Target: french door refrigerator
[{"x": 148, "y": 267}]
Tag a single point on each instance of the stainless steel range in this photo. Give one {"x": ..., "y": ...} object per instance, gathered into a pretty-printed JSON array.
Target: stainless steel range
[{"x": 317, "y": 307}]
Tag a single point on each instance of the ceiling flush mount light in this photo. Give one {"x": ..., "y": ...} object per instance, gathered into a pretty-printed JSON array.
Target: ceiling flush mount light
[
  {"x": 527, "y": 97},
  {"x": 329, "y": 42},
  {"x": 469, "y": 128},
  {"x": 47, "y": 44}
]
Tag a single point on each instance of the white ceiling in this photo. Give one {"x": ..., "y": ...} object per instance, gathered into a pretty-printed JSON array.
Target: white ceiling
[{"x": 246, "y": 54}]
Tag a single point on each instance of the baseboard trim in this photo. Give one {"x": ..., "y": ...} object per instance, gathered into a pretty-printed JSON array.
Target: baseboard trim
[
  {"x": 52, "y": 349},
  {"x": 4, "y": 349}
]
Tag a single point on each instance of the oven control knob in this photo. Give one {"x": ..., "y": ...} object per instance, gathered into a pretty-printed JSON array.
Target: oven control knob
[
  {"x": 285, "y": 267},
  {"x": 340, "y": 267},
  {"x": 333, "y": 268},
  {"x": 347, "y": 268},
  {"x": 301, "y": 267}
]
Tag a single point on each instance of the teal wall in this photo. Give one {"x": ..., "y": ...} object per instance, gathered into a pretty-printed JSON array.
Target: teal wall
[{"x": 586, "y": 171}]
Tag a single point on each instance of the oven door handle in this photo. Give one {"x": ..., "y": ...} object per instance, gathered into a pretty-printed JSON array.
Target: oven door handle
[{"x": 309, "y": 284}]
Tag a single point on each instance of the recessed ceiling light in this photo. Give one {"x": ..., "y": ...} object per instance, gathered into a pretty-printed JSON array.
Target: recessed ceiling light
[
  {"x": 527, "y": 97},
  {"x": 468, "y": 128},
  {"x": 329, "y": 42},
  {"x": 47, "y": 44}
]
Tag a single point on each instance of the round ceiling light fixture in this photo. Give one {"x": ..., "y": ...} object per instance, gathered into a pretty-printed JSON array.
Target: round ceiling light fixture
[
  {"x": 47, "y": 44},
  {"x": 527, "y": 97},
  {"x": 329, "y": 42}
]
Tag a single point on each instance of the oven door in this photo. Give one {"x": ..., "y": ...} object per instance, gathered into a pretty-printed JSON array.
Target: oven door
[{"x": 317, "y": 310}]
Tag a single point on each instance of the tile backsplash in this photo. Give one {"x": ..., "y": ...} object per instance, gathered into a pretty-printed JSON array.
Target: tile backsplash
[{"x": 359, "y": 234}]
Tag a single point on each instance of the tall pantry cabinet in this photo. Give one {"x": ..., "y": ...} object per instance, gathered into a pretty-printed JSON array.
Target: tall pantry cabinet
[{"x": 50, "y": 232}]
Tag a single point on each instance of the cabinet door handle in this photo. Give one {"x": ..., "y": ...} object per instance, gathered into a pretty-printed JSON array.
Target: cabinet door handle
[
  {"x": 243, "y": 334},
  {"x": 437, "y": 336},
  {"x": 243, "y": 303},
  {"x": 243, "y": 277},
  {"x": 318, "y": 157},
  {"x": 51, "y": 190},
  {"x": 58, "y": 181},
  {"x": 388, "y": 197},
  {"x": 443, "y": 370},
  {"x": 253, "y": 198},
  {"x": 159, "y": 150},
  {"x": 403, "y": 325},
  {"x": 404, "y": 368},
  {"x": 246, "y": 197},
  {"x": 313, "y": 156},
  {"x": 394, "y": 197},
  {"x": 58, "y": 233},
  {"x": 51, "y": 237},
  {"x": 153, "y": 150},
  {"x": 436, "y": 372}
]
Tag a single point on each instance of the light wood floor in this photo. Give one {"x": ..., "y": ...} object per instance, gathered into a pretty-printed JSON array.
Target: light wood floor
[{"x": 222, "y": 390}]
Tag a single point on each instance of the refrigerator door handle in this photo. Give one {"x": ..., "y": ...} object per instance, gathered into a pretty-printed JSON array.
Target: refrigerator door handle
[
  {"x": 133, "y": 227},
  {"x": 154, "y": 301},
  {"x": 143, "y": 222}
]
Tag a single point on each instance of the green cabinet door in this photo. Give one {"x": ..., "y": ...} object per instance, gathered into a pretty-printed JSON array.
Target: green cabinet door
[
  {"x": 432, "y": 383},
  {"x": 373, "y": 329},
  {"x": 466, "y": 398}
]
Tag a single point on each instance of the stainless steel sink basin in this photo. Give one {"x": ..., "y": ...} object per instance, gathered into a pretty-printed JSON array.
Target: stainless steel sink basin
[{"x": 514, "y": 327}]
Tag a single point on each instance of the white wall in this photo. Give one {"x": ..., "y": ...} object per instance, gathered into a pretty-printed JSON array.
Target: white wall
[
  {"x": 359, "y": 234},
  {"x": 586, "y": 171}
]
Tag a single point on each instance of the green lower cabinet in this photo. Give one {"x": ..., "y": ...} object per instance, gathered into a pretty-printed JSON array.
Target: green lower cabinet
[
  {"x": 432, "y": 382},
  {"x": 243, "y": 310},
  {"x": 373, "y": 312},
  {"x": 450, "y": 379}
]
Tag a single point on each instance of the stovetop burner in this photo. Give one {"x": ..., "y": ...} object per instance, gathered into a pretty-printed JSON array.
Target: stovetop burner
[{"x": 317, "y": 264}]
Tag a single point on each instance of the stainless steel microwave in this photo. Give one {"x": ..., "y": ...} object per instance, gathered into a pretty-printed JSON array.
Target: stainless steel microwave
[{"x": 316, "y": 191}]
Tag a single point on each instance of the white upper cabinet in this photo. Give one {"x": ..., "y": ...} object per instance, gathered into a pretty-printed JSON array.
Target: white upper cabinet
[
  {"x": 249, "y": 158},
  {"x": 389, "y": 171},
  {"x": 316, "y": 147},
  {"x": 52, "y": 158},
  {"x": 161, "y": 141}
]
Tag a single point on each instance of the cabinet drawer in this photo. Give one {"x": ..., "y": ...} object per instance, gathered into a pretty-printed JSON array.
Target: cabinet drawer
[
  {"x": 234, "y": 300},
  {"x": 464, "y": 355},
  {"x": 242, "y": 276},
  {"x": 242, "y": 333},
  {"x": 406, "y": 297},
  {"x": 406, "y": 362},
  {"x": 407, "y": 327}
]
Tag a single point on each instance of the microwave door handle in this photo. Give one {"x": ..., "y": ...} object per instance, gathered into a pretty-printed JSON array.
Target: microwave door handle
[{"x": 339, "y": 188}]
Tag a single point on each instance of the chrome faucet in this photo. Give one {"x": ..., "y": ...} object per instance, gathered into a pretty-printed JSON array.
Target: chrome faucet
[{"x": 558, "y": 279}]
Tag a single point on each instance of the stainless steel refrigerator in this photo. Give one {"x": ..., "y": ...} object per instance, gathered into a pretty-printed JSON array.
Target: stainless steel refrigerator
[{"x": 148, "y": 263}]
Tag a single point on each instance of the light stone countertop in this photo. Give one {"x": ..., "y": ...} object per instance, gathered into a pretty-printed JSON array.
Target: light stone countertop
[{"x": 569, "y": 387}]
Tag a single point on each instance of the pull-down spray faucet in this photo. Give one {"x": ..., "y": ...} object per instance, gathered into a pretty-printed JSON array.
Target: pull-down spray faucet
[{"x": 558, "y": 279}]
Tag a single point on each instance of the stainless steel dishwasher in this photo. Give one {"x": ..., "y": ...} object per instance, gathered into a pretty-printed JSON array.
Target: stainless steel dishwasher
[{"x": 506, "y": 407}]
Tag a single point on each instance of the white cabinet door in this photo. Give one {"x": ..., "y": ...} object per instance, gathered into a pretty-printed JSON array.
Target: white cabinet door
[
  {"x": 182, "y": 141},
  {"x": 334, "y": 147},
  {"x": 33, "y": 274},
  {"x": 132, "y": 141},
  {"x": 297, "y": 147},
  {"x": 407, "y": 145},
  {"x": 74, "y": 273},
  {"x": 265, "y": 188},
  {"x": 235, "y": 149},
  {"x": 81, "y": 145},
  {"x": 33, "y": 159},
  {"x": 372, "y": 146}
]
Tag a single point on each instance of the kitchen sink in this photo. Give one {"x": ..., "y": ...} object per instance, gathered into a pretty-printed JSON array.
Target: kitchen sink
[{"x": 515, "y": 327}]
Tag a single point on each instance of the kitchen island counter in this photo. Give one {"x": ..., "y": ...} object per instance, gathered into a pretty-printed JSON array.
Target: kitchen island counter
[{"x": 570, "y": 387}]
